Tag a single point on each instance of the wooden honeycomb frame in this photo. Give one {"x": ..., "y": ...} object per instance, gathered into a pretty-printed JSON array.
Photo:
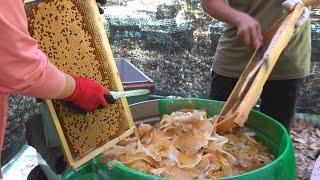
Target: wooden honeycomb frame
[
  {"x": 72, "y": 35},
  {"x": 250, "y": 85}
]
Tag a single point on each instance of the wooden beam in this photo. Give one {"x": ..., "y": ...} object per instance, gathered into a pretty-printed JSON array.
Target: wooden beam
[
  {"x": 77, "y": 163},
  {"x": 241, "y": 104}
]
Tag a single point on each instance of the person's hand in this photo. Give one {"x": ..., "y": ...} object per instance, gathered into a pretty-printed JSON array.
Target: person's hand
[
  {"x": 99, "y": 3},
  {"x": 289, "y": 6},
  {"x": 249, "y": 30},
  {"x": 88, "y": 94}
]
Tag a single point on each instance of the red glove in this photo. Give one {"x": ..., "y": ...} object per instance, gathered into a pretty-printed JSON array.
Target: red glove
[{"x": 88, "y": 94}]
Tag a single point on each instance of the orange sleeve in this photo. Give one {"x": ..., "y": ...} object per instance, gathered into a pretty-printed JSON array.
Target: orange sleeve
[{"x": 24, "y": 68}]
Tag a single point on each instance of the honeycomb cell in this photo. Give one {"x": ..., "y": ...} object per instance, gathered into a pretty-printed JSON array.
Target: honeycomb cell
[{"x": 67, "y": 32}]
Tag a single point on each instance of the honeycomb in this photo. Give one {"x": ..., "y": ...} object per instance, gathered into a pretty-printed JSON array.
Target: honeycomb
[
  {"x": 68, "y": 32},
  {"x": 190, "y": 150}
]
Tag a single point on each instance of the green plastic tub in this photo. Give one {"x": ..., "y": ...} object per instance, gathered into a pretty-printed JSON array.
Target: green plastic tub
[{"x": 268, "y": 131}]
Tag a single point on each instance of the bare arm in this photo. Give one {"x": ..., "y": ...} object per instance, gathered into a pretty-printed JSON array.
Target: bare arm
[
  {"x": 221, "y": 11},
  {"x": 69, "y": 87},
  {"x": 249, "y": 30}
]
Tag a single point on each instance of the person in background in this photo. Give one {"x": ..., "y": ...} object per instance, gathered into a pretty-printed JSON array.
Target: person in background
[
  {"x": 246, "y": 20},
  {"x": 26, "y": 70}
]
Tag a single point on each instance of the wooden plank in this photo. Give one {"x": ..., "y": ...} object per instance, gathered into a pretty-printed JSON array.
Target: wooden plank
[
  {"x": 77, "y": 163},
  {"x": 27, "y": 1},
  {"x": 72, "y": 163},
  {"x": 277, "y": 45},
  {"x": 62, "y": 139},
  {"x": 234, "y": 99},
  {"x": 111, "y": 61},
  {"x": 242, "y": 105}
]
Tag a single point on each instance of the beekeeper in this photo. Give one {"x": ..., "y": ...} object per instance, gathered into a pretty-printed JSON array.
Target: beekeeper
[
  {"x": 246, "y": 20},
  {"x": 26, "y": 70}
]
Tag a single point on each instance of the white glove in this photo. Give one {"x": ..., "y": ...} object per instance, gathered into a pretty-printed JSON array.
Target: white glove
[{"x": 289, "y": 6}]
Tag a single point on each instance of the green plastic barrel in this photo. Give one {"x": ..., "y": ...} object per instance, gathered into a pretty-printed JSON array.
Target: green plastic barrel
[{"x": 267, "y": 130}]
